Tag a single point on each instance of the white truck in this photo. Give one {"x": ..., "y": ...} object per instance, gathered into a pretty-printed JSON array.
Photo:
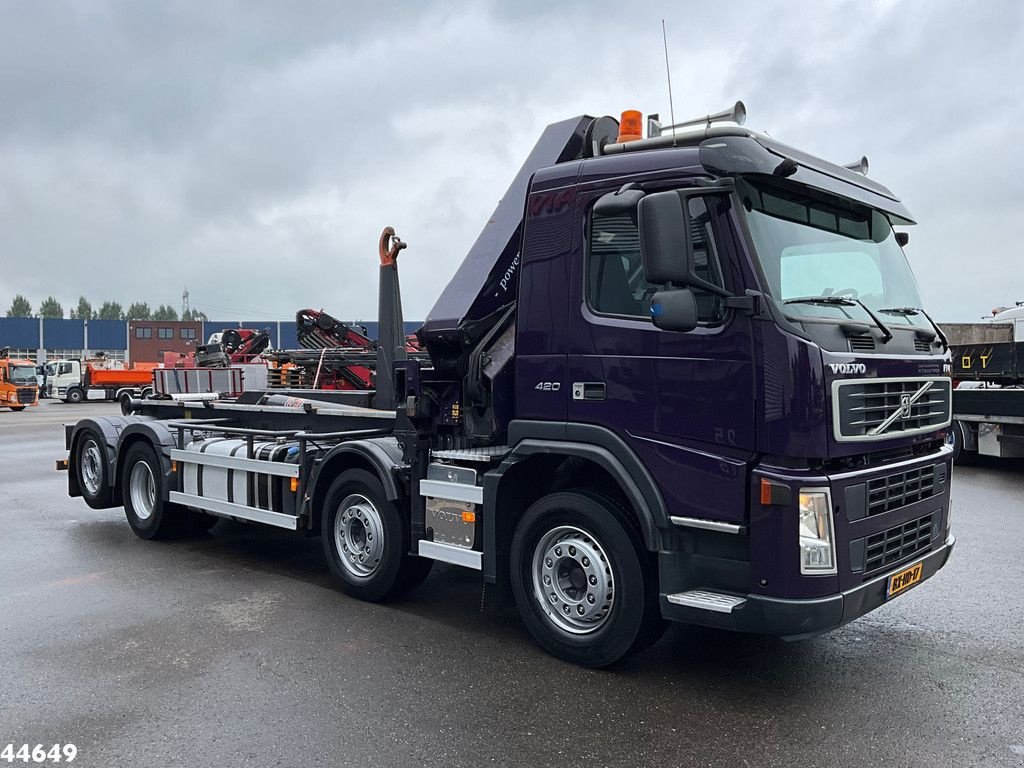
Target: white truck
[{"x": 73, "y": 382}]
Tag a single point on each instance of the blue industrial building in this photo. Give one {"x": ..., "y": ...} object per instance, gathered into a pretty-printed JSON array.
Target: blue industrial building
[{"x": 40, "y": 339}]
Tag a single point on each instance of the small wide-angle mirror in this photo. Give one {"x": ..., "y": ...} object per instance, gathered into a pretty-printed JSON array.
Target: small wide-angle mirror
[
  {"x": 903, "y": 238},
  {"x": 674, "y": 309}
]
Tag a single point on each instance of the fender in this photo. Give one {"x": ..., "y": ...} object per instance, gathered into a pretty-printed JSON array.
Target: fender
[
  {"x": 157, "y": 434},
  {"x": 383, "y": 453},
  {"x": 589, "y": 441},
  {"x": 109, "y": 429}
]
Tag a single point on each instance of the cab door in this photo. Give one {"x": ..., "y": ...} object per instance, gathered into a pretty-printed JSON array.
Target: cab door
[{"x": 683, "y": 402}]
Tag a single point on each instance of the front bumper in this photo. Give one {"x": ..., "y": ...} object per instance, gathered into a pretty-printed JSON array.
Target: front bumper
[{"x": 795, "y": 619}]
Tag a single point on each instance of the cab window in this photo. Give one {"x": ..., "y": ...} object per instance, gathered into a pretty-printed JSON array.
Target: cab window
[{"x": 615, "y": 276}]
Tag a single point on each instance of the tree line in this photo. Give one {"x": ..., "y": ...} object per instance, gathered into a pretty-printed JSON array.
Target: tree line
[{"x": 109, "y": 310}]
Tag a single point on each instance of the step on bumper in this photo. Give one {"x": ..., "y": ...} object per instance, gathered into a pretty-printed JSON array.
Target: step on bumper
[{"x": 790, "y": 619}]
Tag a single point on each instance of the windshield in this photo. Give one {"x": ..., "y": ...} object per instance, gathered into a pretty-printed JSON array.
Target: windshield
[
  {"x": 811, "y": 247},
  {"x": 23, "y": 374}
]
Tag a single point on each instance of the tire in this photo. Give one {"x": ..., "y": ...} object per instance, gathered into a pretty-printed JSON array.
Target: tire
[
  {"x": 74, "y": 395},
  {"x": 366, "y": 541},
  {"x": 958, "y": 439},
  {"x": 92, "y": 471},
  {"x": 146, "y": 393},
  {"x": 149, "y": 515},
  {"x": 16, "y": 408},
  {"x": 575, "y": 542},
  {"x": 126, "y": 404}
]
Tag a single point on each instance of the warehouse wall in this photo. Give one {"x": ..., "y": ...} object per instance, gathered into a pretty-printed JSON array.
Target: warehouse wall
[{"x": 67, "y": 338}]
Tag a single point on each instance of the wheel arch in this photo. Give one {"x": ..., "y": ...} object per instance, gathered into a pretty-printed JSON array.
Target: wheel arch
[
  {"x": 154, "y": 433},
  {"x": 536, "y": 467},
  {"x": 108, "y": 429}
]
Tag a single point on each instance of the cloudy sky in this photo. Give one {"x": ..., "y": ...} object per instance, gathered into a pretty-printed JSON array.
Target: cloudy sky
[{"x": 254, "y": 150}]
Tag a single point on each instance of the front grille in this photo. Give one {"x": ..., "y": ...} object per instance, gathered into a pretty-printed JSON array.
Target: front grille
[
  {"x": 898, "y": 543},
  {"x": 894, "y": 491},
  {"x": 880, "y": 409},
  {"x": 26, "y": 395}
]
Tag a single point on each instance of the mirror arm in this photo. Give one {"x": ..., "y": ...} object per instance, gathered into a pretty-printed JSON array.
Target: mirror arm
[{"x": 695, "y": 282}]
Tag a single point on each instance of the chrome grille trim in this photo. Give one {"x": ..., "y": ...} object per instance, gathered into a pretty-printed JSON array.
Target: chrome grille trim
[{"x": 871, "y": 407}]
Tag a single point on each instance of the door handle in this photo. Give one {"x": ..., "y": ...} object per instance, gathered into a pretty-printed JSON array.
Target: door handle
[{"x": 588, "y": 390}]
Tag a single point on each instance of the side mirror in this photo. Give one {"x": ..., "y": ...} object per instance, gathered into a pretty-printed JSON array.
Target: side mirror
[
  {"x": 674, "y": 309},
  {"x": 903, "y": 238},
  {"x": 664, "y": 239}
]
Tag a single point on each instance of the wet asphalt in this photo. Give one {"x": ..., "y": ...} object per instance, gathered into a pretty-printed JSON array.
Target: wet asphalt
[{"x": 233, "y": 648}]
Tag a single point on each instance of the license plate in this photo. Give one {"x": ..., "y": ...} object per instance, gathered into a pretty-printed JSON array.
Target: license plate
[{"x": 904, "y": 580}]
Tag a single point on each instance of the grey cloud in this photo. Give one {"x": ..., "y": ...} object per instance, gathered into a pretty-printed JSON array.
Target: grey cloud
[{"x": 254, "y": 150}]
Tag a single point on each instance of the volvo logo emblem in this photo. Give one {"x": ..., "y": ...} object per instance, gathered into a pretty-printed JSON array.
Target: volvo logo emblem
[
  {"x": 905, "y": 406},
  {"x": 848, "y": 367}
]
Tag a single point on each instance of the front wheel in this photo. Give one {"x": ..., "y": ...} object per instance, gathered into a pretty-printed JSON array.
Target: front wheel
[
  {"x": 585, "y": 586},
  {"x": 366, "y": 541},
  {"x": 75, "y": 395},
  {"x": 958, "y": 440}
]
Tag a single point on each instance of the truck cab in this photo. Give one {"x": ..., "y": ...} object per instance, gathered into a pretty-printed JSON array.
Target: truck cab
[
  {"x": 62, "y": 375},
  {"x": 18, "y": 386},
  {"x": 752, "y": 345}
]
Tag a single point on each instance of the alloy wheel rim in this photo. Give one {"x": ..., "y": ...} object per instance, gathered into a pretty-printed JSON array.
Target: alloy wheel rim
[
  {"x": 92, "y": 471},
  {"x": 142, "y": 487},
  {"x": 572, "y": 580},
  {"x": 359, "y": 536}
]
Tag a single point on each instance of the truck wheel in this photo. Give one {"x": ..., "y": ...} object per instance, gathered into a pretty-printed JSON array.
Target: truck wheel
[
  {"x": 585, "y": 586},
  {"x": 149, "y": 515},
  {"x": 366, "y": 541},
  {"x": 17, "y": 408},
  {"x": 126, "y": 404},
  {"x": 91, "y": 470},
  {"x": 958, "y": 439},
  {"x": 75, "y": 395}
]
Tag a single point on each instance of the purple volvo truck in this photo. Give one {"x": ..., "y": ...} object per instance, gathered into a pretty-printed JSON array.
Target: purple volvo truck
[{"x": 685, "y": 377}]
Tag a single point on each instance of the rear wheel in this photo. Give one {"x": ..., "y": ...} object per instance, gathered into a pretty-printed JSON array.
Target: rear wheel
[
  {"x": 17, "y": 408},
  {"x": 585, "y": 586},
  {"x": 366, "y": 541},
  {"x": 75, "y": 395},
  {"x": 92, "y": 468},
  {"x": 149, "y": 515}
]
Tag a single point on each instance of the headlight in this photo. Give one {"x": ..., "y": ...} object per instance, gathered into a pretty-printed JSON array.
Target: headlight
[{"x": 817, "y": 542}]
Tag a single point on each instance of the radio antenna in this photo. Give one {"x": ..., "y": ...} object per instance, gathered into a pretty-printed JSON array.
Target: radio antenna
[{"x": 668, "y": 76}]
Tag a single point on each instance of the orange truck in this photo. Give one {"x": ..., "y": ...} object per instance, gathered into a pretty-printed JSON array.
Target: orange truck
[
  {"x": 74, "y": 382},
  {"x": 18, "y": 385}
]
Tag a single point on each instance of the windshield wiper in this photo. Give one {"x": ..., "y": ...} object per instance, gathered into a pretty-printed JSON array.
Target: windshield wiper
[
  {"x": 911, "y": 311},
  {"x": 843, "y": 301},
  {"x": 835, "y": 300}
]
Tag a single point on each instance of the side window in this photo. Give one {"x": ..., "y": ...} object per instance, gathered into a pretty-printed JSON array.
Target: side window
[
  {"x": 615, "y": 277},
  {"x": 706, "y": 263}
]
